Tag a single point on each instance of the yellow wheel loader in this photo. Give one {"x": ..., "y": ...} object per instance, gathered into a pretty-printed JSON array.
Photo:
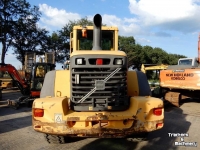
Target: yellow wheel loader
[{"x": 97, "y": 96}]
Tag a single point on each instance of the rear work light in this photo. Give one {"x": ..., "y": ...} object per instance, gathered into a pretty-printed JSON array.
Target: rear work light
[
  {"x": 118, "y": 61},
  {"x": 79, "y": 61},
  {"x": 99, "y": 61},
  {"x": 84, "y": 32},
  {"x": 157, "y": 111},
  {"x": 38, "y": 112}
]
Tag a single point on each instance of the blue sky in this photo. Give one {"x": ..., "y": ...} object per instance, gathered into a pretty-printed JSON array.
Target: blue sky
[{"x": 173, "y": 25}]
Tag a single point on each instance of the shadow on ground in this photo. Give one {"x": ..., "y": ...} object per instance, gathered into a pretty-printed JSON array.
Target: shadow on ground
[
  {"x": 110, "y": 144},
  {"x": 9, "y": 110},
  {"x": 15, "y": 124},
  {"x": 189, "y": 100}
]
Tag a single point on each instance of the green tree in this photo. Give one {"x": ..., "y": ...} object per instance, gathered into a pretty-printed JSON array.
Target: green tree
[
  {"x": 57, "y": 43},
  {"x": 11, "y": 12},
  {"x": 127, "y": 44},
  {"x": 30, "y": 39},
  {"x": 173, "y": 58},
  {"x": 147, "y": 50},
  {"x": 158, "y": 56}
]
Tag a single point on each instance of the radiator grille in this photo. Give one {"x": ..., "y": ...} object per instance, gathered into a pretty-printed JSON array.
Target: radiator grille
[{"x": 113, "y": 97}]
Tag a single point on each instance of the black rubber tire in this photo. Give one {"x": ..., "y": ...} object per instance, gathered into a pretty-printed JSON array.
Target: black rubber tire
[
  {"x": 16, "y": 106},
  {"x": 22, "y": 98},
  {"x": 55, "y": 139},
  {"x": 138, "y": 138},
  {"x": 29, "y": 103}
]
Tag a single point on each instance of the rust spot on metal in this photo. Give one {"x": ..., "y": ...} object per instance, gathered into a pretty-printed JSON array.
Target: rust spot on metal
[
  {"x": 160, "y": 105},
  {"x": 73, "y": 118},
  {"x": 138, "y": 111},
  {"x": 71, "y": 123},
  {"x": 98, "y": 116},
  {"x": 96, "y": 131},
  {"x": 51, "y": 125},
  {"x": 51, "y": 106},
  {"x": 48, "y": 128},
  {"x": 145, "y": 116},
  {"x": 33, "y": 105},
  {"x": 134, "y": 117},
  {"x": 111, "y": 115}
]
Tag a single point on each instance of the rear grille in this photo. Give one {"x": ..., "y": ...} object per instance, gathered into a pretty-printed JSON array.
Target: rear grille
[{"x": 113, "y": 97}]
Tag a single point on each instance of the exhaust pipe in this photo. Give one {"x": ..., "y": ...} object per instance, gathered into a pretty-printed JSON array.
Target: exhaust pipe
[
  {"x": 97, "y": 20},
  {"x": 199, "y": 49}
]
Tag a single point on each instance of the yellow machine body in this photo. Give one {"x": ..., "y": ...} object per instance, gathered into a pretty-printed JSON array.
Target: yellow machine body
[
  {"x": 58, "y": 119},
  {"x": 65, "y": 107}
]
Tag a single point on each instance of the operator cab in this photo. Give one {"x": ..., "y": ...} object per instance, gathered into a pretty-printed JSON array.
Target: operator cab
[
  {"x": 38, "y": 73},
  {"x": 188, "y": 62},
  {"x": 82, "y": 38},
  {"x": 85, "y": 43}
]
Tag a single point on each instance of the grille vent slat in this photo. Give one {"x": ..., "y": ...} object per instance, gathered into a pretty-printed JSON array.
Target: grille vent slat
[{"x": 114, "y": 94}]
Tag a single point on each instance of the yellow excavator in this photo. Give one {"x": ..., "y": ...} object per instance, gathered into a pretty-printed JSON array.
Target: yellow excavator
[
  {"x": 154, "y": 84},
  {"x": 153, "y": 67},
  {"x": 96, "y": 96},
  {"x": 146, "y": 67}
]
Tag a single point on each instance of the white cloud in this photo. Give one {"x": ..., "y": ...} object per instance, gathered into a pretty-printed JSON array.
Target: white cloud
[
  {"x": 111, "y": 20},
  {"x": 126, "y": 26},
  {"x": 55, "y": 17},
  {"x": 131, "y": 20},
  {"x": 44, "y": 26},
  {"x": 142, "y": 40},
  {"x": 167, "y": 13}
]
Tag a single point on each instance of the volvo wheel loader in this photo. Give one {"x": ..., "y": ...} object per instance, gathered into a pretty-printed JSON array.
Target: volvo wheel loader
[
  {"x": 97, "y": 96},
  {"x": 181, "y": 81}
]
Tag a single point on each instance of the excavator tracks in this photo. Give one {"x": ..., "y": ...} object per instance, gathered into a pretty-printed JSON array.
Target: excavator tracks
[{"x": 173, "y": 98}]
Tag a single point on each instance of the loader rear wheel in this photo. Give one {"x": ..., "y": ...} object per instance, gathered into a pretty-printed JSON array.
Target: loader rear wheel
[
  {"x": 138, "y": 137},
  {"x": 55, "y": 139}
]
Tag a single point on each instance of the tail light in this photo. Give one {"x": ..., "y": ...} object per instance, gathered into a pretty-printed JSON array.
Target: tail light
[
  {"x": 157, "y": 111},
  {"x": 159, "y": 125},
  {"x": 38, "y": 112},
  {"x": 99, "y": 61}
]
